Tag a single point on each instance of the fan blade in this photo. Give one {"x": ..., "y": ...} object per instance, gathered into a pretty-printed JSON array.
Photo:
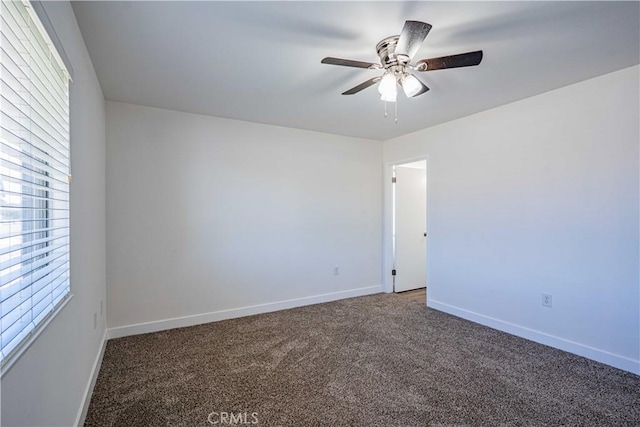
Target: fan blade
[
  {"x": 453, "y": 61},
  {"x": 412, "y": 35},
  {"x": 350, "y": 63},
  {"x": 362, "y": 86}
]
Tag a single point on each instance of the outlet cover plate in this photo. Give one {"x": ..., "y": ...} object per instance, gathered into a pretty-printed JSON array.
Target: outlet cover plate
[{"x": 547, "y": 300}]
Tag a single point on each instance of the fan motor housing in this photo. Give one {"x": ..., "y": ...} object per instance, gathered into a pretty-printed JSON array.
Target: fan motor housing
[{"x": 386, "y": 49}]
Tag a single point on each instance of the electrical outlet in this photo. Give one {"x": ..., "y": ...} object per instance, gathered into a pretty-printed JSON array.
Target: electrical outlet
[
  {"x": 95, "y": 320},
  {"x": 546, "y": 300},
  {"x": 336, "y": 270}
]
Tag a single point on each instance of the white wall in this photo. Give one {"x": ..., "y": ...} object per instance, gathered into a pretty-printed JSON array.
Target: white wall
[
  {"x": 207, "y": 214},
  {"x": 47, "y": 385},
  {"x": 538, "y": 196}
]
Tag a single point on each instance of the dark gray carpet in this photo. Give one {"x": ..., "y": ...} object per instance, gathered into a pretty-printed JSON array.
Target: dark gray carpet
[{"x": 381, "y": 360}]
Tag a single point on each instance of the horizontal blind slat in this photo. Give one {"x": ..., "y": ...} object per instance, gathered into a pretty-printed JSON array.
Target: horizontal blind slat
[{"x": 10, "y": 224}]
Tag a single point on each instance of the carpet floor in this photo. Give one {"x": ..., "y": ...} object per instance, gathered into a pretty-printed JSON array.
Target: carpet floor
[{"x": 379, "y": 360}]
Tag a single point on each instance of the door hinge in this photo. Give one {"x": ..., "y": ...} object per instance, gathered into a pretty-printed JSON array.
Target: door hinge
[
  {"x": 69, "y": 178},
  {"x": 393, "y": 180},
  {"x": 393, "y": 272}
]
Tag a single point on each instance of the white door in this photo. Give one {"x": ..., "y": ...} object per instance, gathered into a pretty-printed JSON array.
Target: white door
[{"x": 410, "y": 226}]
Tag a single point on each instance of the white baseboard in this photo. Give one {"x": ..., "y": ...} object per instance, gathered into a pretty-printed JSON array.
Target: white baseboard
[
  {"x": 620, "y": 362},
  {"x": 82, "y": 414},
  {"x": 197, "y": 319}
]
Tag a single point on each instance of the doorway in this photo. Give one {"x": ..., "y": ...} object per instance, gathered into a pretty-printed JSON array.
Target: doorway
[{"x": 409, "y": 226}]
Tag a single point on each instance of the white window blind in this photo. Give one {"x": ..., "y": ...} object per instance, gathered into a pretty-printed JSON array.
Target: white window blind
[{"x": 34, "y": 176}]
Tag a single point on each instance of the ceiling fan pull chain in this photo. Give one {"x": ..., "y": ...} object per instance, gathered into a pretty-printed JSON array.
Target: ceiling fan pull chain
[
  {"x": 396, "y": 112},
  {"x": 385, "y": 109}
]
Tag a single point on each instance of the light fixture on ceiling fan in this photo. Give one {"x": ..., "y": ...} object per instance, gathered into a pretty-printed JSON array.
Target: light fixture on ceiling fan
[{"x": 396, "y": 53}]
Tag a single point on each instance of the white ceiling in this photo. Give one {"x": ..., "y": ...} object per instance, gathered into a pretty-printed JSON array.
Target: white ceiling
[{"x": 260, "y": 61}]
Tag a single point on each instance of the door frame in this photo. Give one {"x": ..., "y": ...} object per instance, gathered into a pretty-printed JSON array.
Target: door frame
[{"x": 387, "y": 233}]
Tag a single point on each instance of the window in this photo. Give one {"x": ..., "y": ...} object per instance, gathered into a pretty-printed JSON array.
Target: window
[{"x": 34, "y": 177}]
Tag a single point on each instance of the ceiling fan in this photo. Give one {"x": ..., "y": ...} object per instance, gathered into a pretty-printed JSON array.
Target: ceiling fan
[{"x": 396, "y": 54}]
